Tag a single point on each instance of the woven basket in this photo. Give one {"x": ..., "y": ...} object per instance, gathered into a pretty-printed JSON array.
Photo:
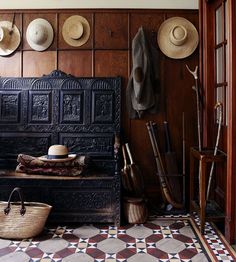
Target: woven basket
[
  {"x": 135, "y": 210},
  {"x": 19, "y": 220}
]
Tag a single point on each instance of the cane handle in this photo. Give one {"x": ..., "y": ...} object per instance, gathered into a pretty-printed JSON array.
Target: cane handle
[{"x": 194, "y": 73}]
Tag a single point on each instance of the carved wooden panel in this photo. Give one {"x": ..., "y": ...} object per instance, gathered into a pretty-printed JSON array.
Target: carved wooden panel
[
  {"x": 82, "y": 200},
  {"x": 91, "y": 144},
  {"x": 12, "y": 144},
  {"x": 82, "y": 113},
  {"x": 10, "y": 107},
  {"x": 40, "y": 105},
  {"x": 71, "y": 107}
]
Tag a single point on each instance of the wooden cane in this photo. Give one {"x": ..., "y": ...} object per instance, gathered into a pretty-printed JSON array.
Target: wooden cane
[
  {"x": 219, "y": 107},
  {"x": 196, "y": 89}
]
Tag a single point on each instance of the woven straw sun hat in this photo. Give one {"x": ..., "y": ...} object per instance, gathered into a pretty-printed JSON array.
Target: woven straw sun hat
[
  {"x": 39, "y": 34},
  {"x": 76, "y": 30},
  {"x": 9, "y": 38},
  {"x": 57, "y": 153},
  {"x": 177, "y": 37}
]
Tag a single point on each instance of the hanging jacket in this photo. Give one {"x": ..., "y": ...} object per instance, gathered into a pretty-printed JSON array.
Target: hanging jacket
[{"x": 141, "y": 93}]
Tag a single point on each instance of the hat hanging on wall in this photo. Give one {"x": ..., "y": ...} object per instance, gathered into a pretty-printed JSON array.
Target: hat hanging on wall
[
  {"x": 9, "y": 38},
  {"x": 39, "y": 34},
  {"x": 76, "y": 30},
  {"x": 177, "y": 37}
]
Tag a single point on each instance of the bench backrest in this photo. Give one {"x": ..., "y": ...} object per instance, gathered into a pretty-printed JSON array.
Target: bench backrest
[{"x": 81, "y": 113}]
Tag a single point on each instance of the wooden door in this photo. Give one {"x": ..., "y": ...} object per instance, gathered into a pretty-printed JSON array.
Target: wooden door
[{"x": 218, "y": 81}]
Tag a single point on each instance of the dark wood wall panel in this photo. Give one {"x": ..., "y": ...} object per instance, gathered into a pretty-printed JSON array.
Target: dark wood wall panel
[
  {"x": 150, "y": 21},
  {"x": 111, "y": 30},
  {"x": 11, "y": 66},
  {"x": 77, "y": 62},
  {"x": 108, "y": 52},
  {"x": 39, "y": 63}
]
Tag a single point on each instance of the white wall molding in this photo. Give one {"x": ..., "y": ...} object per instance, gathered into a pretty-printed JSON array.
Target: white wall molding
[{"x": 93, "y": 4}]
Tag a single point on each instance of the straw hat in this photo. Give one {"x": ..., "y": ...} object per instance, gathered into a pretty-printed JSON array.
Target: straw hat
[
  {"x": 9, "y": 38},
  {"x": 39, "y": 34},
  {"x": 177, "y": 37},
  {"x": 57, "y": 153},
  {"x": 76, "y": 30}
]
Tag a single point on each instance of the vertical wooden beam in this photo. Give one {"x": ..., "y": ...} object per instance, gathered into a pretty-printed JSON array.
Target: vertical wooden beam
[
  {"x": 207, "y": 69},
  {"x": 231, "y": 130}
]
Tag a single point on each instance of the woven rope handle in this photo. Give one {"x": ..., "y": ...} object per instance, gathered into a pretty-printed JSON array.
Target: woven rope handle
[{"x": 20, "y": 193}]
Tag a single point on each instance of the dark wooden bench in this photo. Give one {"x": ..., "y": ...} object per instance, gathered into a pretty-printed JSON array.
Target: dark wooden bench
[{"x": 81, "y": 113}]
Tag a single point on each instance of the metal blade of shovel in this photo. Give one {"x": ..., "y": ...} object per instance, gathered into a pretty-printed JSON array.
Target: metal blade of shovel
[{"x": 172, "y": 167}]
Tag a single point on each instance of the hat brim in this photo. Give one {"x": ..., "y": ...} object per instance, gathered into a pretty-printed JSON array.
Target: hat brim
[
  {"x": 66, "y": 29},
  {"x": 69, "y": 158},
  {"x": 14, "y": 40},
  {"x": 50, "y": 35},
  {"x": 174, "y": 51}
]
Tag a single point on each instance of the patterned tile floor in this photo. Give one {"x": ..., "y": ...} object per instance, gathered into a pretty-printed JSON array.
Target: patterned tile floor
[{"x": 169, "y": 238}]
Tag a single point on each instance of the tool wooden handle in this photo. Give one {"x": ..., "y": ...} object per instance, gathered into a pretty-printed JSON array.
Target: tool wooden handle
[
  {"x": 129, "y": 153},
  {"x": 124, "y": 156},
  {"x": 167, "y": 137}
]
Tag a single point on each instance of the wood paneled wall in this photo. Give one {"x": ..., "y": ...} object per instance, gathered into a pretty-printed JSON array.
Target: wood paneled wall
[{"x": 108, "y": 53}]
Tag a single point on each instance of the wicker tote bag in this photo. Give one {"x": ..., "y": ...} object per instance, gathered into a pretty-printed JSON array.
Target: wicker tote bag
[{"x": 19, "y": 220}]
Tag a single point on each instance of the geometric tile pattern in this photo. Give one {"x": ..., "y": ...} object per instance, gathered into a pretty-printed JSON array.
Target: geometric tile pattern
[
  {"x": 217, "y": 244},
  {"x": 169, "y": 238}
]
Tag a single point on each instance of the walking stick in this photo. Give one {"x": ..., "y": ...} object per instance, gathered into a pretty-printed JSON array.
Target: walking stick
[
  {"x": 219, "y": 107},
  {"x": 196, "y": 89}
]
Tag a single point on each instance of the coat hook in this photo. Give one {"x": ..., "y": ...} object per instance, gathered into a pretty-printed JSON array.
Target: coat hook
[{"x": 110, "y": 32}]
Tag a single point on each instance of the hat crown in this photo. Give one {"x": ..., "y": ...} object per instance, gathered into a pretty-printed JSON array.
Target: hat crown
[
  {"x": 38, "y": 34},
  {"x": 1, "y": 34},
  {"x": 76, "y": 30},
  {"x": 178, "y": 35},
  {"x": 57, "y": 150}
]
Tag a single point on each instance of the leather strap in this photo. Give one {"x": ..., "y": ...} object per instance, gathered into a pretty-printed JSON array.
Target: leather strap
[{"x": 20, "y": 193}]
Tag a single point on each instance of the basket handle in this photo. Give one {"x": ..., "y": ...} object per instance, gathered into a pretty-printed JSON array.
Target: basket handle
[{"x": 20, "y": 193}]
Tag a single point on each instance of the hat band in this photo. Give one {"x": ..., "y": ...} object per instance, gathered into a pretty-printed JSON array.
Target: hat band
[{"x": 57, "y": 156}]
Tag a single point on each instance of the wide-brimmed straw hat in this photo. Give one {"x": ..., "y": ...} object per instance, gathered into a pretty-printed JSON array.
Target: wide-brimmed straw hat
[
  {"x": 177, "y": 37},
  {"x": 39, "y": 34},
  {"x": 58, "y": 153},
  {"x": 9, "y": 38},
  {"x": 76, "y": 30}
]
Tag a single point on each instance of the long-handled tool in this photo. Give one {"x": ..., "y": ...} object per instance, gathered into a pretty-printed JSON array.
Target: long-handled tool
[
  {"x": 135, "y": 175},
  {"x": 125, "y": 174},
  {"x": 160, "y": 168},
  {"x": 218, "y": 106},
  {"x": 172, "y": 166}
]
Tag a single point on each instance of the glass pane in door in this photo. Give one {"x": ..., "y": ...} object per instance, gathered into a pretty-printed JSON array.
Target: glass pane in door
[
  {"x": 219, "y": 65},
  {"x": 219, "y": 25}
]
